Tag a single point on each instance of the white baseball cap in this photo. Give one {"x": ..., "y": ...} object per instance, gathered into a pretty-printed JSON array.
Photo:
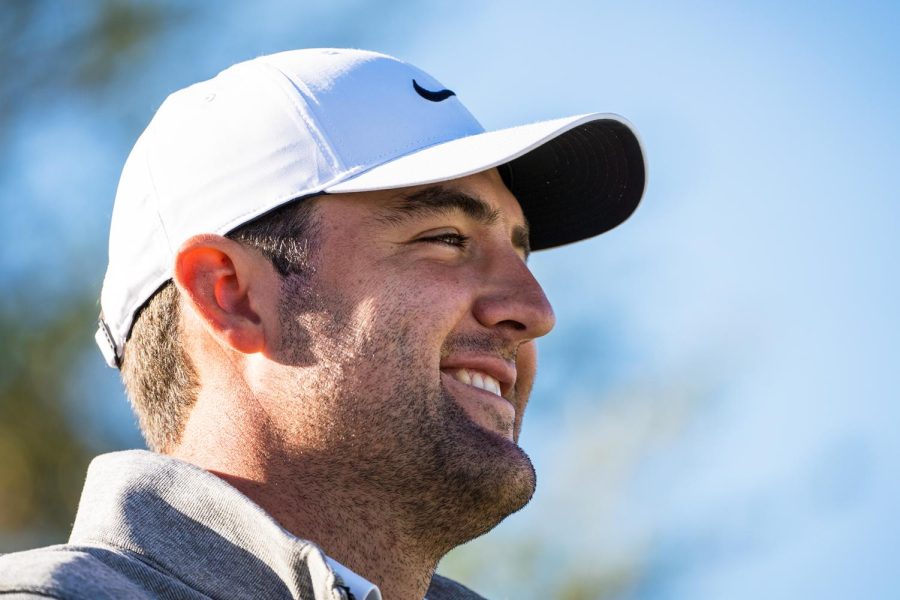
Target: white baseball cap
[{"x": 278, "y": 128}]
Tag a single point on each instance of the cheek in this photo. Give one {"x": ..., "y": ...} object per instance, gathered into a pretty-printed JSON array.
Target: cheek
[
  {"x": 526, "y": 367},
  {"x": 393, "y": 308},
  {"x": 440, "y": 293}
]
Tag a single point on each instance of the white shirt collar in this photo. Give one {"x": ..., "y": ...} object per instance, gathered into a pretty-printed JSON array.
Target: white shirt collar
[{"x": 360, "y": 587}]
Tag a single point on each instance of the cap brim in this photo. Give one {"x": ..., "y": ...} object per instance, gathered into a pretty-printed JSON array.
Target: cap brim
[{"x": 574, "y": 178}]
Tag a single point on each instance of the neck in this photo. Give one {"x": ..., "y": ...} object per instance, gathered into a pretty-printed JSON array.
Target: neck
[
  {"x": 309, "y": 496},
  {"x": 362, "y": 533}
]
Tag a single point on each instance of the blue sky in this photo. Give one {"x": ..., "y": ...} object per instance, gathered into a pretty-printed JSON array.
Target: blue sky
[{"x": 722, "y": 386}]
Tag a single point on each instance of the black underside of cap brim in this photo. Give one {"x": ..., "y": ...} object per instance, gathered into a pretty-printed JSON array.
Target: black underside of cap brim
[{"x": 580, "y": 184}]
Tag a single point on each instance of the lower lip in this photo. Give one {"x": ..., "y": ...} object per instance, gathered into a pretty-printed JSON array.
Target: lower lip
[{"x": 476, "y": 400}]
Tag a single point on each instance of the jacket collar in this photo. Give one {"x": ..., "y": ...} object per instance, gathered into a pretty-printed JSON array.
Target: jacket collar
[{"x": 193, "y": 525}]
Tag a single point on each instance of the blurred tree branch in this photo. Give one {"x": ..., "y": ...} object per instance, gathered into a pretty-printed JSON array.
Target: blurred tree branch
[{"x": 50, "y": 49}]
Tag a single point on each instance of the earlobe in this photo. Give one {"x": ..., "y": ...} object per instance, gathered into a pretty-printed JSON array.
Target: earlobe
[{"x": 215, "y": 275}]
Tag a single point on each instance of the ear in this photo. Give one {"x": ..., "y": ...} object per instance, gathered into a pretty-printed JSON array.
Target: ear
[{"x": 219, "y": 279}]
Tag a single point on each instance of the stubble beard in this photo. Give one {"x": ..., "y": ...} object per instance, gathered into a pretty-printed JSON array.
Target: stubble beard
[
  {"x": 461, "y": 479},
  {"x": 397, "y": 436}
]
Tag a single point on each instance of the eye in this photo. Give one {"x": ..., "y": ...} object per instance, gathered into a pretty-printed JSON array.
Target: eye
[{"x": 449, "y": 238}]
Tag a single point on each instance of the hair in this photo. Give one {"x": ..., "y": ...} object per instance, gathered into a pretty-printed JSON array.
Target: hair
[{"x": 158, "y": 373}]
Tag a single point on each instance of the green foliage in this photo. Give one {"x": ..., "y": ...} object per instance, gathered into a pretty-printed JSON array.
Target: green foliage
[{"x": 43, "y": 458}]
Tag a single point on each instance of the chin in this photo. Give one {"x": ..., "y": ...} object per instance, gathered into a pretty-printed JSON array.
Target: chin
[
  {"x": 508, "y": 473},
  {"x": 483, "y": 477}
]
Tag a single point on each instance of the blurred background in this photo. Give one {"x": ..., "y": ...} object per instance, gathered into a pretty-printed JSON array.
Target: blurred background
[{"x": 716, "y": 412}]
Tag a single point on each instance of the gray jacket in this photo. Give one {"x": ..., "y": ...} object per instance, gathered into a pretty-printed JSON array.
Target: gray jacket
[{"x": 150, "y": 526}]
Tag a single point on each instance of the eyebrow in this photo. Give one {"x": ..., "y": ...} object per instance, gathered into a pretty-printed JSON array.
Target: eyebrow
[{"x": 438, "y": 200}]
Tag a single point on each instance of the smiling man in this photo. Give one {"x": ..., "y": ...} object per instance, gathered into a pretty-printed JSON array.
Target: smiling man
[{"x": 319, "y": 299}]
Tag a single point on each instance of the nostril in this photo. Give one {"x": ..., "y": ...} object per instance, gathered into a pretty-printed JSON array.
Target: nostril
[{"x": 517, "y": 326}]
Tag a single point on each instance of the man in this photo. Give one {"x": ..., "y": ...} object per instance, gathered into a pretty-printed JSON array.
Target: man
[{"x": 318, "y": 297}]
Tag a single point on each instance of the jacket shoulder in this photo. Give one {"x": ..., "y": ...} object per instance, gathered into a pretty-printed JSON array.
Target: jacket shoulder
[
  {"x": 442, "y": 588},
  {"x": 64, "y": 573}
]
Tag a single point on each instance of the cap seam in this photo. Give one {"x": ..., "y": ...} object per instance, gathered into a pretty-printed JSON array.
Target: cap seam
[
  {"x": 155, "y": 195},
  {"x": 315, "y": 129}
]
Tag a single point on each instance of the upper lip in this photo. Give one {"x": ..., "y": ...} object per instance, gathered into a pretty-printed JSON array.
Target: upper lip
[{"x": 504, "y": 371}]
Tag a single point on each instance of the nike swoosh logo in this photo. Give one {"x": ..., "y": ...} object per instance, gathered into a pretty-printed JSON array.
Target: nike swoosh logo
[{"x": 437, "y": 96}]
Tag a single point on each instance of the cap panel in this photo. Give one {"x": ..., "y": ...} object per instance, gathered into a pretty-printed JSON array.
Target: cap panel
[
  {"x": 228, "y": 148},
  {"x": 368, "y": 106}
]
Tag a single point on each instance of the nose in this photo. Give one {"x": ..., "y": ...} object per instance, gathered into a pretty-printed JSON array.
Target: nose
[{"x": 513, "y": 301}]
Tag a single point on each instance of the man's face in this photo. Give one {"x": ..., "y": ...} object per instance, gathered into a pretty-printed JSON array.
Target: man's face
[{"x": 410, "y": 344}]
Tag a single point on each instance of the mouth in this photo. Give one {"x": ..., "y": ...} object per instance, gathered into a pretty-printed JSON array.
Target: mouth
[
  {"x": 484, "y": 393},
  {"x": 477, "y": 379},
  {"x": 490, "y": 374}
]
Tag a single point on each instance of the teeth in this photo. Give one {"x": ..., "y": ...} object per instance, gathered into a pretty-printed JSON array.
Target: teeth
[{"x": 478, "y": 379}]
